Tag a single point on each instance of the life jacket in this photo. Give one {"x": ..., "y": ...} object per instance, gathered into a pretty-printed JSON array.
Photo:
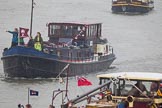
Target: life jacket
[{"x": 37, "y": 44}]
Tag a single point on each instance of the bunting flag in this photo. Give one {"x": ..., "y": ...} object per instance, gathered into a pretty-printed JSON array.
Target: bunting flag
[
  {"x": 34, "y": 93},
  {"x": 23, "y": 32},
  {"x": 83, "y": 81}
]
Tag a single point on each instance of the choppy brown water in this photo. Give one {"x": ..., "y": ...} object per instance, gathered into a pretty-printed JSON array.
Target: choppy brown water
[{"x": 136, "y": 40}]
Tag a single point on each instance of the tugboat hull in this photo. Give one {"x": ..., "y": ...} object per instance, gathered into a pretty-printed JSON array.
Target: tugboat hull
[{"x": 32, "y": 66}]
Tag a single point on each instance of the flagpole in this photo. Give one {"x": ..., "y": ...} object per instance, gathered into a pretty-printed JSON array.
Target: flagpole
[
  {"x": 28, "y": 94},
  {"x": 31, "y": 21},
  {"x": 19, "y": 37}
]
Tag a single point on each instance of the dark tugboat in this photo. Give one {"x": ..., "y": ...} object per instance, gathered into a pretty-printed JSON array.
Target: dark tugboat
[
  {"x": 132, "y": 6},
  {"x": 76, "y": 46}
]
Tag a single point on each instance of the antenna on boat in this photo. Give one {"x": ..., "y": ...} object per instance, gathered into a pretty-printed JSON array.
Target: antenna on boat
[
  {"x": 61, "y": 91},
  {"x": 31, "y": 21},
  {"x": 67, "y": 84},
  {"x": 62, "y": 71}
]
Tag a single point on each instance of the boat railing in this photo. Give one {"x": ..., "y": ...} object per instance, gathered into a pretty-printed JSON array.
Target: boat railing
[
  {"x": 79, "y": 59},
  {"x": 91, "y": 58},
  {"x": 94, "y": 58}
]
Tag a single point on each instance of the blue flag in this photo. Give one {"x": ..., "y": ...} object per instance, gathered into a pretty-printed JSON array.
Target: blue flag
[{"x": 34, "y": 93}]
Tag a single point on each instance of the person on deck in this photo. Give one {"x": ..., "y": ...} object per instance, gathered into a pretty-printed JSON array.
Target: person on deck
[
  {"x": 14, "y": 37},
  {"x": 38, "y": 42},
  {"x": 135, "y": 92},
  {"x": 21, "y": 41},
  {"x": 154, "y": 87},
  {"x": 28, "y": 106},
  {"x": 30, "y": 42}
]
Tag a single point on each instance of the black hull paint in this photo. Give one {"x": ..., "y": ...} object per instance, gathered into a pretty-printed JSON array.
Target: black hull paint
[
  {"x": 130, "y": 9},
  {"x": 32, "y": 67}
]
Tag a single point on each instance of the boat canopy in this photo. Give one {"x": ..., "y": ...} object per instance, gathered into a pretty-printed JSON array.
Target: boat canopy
[{"x": 147, "y": 76}]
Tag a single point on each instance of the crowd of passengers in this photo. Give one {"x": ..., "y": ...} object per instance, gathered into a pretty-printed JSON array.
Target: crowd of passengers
[
  {"x": 139, "y": 89},
  {"x": 36, "y": 43}
]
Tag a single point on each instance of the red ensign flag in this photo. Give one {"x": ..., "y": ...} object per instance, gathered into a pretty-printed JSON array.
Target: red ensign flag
[{"x": 83, "y": 81}]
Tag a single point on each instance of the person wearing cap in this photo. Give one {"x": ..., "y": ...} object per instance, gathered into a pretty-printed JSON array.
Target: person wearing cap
[{"x": 14, "y": 37}]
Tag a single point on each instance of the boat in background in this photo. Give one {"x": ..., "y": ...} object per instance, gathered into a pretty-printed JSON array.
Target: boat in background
[
  {"x": 132, "y": 6},
  {"x": 78, "y": 47},
  {"x": 119, "y": 90}
]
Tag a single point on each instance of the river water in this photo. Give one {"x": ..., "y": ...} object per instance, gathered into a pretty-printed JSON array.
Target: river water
[{"x": 136, "y": 39}]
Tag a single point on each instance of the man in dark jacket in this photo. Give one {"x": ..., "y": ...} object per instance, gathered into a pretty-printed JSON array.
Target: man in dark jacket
[
  {"x": 14, "y": 37},
  {"x": 31, "y": 42}
]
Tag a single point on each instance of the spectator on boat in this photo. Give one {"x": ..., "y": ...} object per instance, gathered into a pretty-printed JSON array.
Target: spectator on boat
[
  {"x": 51, "y": 106},
  {"x": 14, "y": 37},
  {"x": 138, "y": 89},
  {"x": 123, "y": 104},
  {"x": 28, "y": 106},
  {"x": 30, "y": 42},
  {"x": 38, "y": 42},
  {"x": 20, "y": 106},
  {"x": 21, "y": 41},
  {"x": 154, "y": 87}
]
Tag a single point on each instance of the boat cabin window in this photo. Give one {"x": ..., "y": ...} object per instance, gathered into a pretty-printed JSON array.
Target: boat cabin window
[
  {"x": 75, "y": 31},
  {"x": 94, "y": 30},
  {"x": 66, "y": 31},
  {"x": 121, "y": 87}
]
